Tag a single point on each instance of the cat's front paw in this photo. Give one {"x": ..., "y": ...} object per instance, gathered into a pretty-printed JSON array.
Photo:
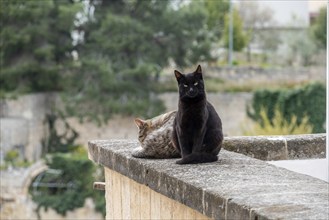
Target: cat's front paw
[
  {"x": 139, "y": 153},
  {"x": 181, "y": 161}
]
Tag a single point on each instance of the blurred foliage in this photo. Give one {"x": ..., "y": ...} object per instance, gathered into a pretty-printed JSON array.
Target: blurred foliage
[
  {"x": 58, "y": 142},
  {"x": 319, "y": 28},
  {"x": 76, "y": 170},
  {"x": 104, "y": 56},
  {"x": 126, "y": 44},
  {"x": 256, "y": 16},
  {"x": 278, "y": 125},
  {"x": 307, "y": 101},
  {"x": 300, "y": 49},
  {"x": 14, "y": 159},
  {"x": 35, "y": 44},
  {"x": 11, "y": 155},
  {"x": 216, "y": 11},
  {"x": 77, "y": 173},
  {"x": 240, "y": 37}
]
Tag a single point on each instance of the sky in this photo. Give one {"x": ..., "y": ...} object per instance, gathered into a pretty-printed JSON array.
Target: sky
[
  {"x": 292, "y": 12},
  {"x": 315, "y": 5}
]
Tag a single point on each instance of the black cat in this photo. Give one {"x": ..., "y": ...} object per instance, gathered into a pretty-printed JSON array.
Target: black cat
[{"x": 197, "y": 131}]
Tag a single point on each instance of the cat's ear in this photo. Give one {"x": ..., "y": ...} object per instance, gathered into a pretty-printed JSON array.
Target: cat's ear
[
  {"x": 139, "y": 122},
  {"x": 178, "y": 75},
  {"x": 198, "y": 70}
]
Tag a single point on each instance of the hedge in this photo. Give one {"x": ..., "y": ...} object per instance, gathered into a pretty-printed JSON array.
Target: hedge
[{"x": 308, "y": 100}]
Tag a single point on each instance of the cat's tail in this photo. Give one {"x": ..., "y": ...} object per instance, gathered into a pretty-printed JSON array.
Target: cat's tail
[{"x": 198, "y": 158}]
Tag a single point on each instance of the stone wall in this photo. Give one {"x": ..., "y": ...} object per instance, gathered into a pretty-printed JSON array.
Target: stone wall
[
  {"x": 284, "y": 147},
  {"x": 24, "y": 208},
  {"x": 22, "y": 119},
  {"x": 256, "y": 75},
  {"x": 22, "y": 123},
  {"x": 274, "y": 75},
  {"x": 234, "y": 187},
  {"x": 231, "y": 108},
  {"x": 16, "y": 203}
]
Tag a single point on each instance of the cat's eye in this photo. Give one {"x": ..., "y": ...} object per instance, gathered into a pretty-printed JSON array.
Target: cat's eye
[
  {"x": 196, "y": 83},
  {"x": 185, "y": 85}
]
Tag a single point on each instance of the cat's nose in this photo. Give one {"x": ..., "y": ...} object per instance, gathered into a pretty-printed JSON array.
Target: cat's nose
[{"x": 191, "y": 89}]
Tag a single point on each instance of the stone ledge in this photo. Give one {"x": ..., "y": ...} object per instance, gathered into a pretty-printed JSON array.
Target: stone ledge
[
  {"x": 234, "y": 187},
  {"x": 285, "y": 147}
]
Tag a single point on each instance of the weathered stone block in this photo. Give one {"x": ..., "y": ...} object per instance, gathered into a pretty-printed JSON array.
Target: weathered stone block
[
  {"x": 306, "y": 146},
  {"x": 9, "y": 128},
  {"x": 264, "y": 148},
  {"x": 278, "y": 147}
]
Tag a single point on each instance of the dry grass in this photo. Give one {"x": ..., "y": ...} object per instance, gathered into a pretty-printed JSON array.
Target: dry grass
[{"x": 279, "y": 126}]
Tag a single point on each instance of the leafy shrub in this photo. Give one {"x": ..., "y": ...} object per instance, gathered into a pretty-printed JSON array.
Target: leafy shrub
[
  {"x": 319, "y": 29},
  {"x": 56, "y": 141},
  {"x": 11, "y": 156},
  {"x": 278, "y": 125},
  {"x": 309, "y": 101},
  {"x": 76, "y": 174}
]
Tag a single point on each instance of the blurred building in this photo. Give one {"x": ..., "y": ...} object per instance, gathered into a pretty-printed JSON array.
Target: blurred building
[
  {"x": 314, "y": 7},
  {"x": 288, "y": 13},
  {"x": 279, "y": 28},
  {"x": 292, "y": 13}
]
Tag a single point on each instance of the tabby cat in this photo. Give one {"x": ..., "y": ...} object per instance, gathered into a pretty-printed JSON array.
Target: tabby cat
[
  {"x": 155, "y": 137},
  {"x": 197, "y": 132}
]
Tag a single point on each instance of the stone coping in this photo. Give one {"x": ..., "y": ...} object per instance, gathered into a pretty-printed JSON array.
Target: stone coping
[
  {"x": 281, "y": 147},
  {"x": 234, "y": 187}
]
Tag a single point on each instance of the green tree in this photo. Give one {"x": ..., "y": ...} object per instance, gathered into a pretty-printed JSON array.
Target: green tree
[
  {"x": 125, "y": 46},
  {"x": 216, "y": 11},
  {"x": 120, "y": 49},
  {"x": 300, "y": 49},
  {"x": 72, "y": 184},
  {"x": 320, "y": 28},
  {"x": 239, "y": 36},
  {"x": 35, "y": 44}
]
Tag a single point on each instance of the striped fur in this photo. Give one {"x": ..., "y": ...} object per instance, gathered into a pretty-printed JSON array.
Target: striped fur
[{"x": 155, "y": 137}]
